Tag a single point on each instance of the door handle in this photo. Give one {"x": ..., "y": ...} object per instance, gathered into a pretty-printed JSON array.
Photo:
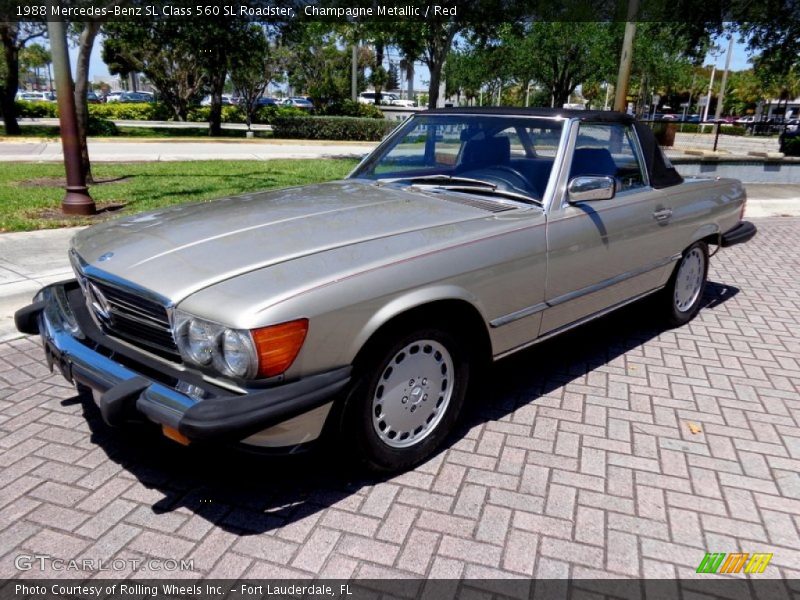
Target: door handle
[{"x": 662, "y": 214}]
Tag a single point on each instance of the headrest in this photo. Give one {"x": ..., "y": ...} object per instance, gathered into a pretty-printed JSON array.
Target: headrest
[
  {"x": 592, "y": 161},
  {"x": 487, "y": 152}
]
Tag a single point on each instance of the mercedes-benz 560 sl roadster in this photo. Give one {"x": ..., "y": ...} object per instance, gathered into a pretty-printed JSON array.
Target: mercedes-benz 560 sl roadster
[{"x": 362, "y": 309}]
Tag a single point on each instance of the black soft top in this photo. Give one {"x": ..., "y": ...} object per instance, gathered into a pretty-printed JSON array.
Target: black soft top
[
  {"x": 662, "y": 173},
  {"x": 567, "y": 113}
]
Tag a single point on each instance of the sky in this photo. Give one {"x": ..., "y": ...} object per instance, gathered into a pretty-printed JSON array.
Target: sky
[{"x": 739, "y": 60}]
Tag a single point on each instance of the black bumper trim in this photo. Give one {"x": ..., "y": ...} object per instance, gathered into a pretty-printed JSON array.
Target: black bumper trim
[
  {"x": 117, "y": 403},
  {"x": 740, "y": 234},
  {"x": 236, "y": 417},
  {"x": 132, "y": 388},
  {"x": 26, "y": 319}
]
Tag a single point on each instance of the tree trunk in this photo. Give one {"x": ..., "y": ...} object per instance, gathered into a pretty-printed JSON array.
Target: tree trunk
[
  {"x": 85, "y": 44},
  {"x": 9, "y": 91},
  {"x": 215, "y": 116},
  {"x": 379, "y": 49},
  {"x": 435, "y": 68},
  {"x": 410, "y": 78}
]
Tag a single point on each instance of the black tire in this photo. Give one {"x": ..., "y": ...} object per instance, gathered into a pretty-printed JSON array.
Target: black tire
[
  {"x": 681, "y": 298},
  {"x": 359, "y": 430}
]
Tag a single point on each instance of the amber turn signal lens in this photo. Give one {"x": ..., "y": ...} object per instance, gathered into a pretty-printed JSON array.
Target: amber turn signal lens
[
  {"x": 277, "y": 346},
  {"x": 175, "y": 435}
]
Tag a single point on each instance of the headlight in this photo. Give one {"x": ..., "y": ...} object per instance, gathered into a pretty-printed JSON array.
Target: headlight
[
  {"x": 202, "y": 341},
  {"x": 264, "y": 352},
  {"x": 237, "y": 352},
  {"x": 206, "y": 344}
]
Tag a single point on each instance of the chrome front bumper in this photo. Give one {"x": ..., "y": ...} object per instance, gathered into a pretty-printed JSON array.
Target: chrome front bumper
[{"x": 128, "y": 386}]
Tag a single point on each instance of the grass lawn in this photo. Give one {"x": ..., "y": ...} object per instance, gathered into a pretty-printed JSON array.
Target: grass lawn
[{"x": 31, "y": 194}]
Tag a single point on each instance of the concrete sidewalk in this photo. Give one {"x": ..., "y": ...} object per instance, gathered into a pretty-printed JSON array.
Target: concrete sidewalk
[
  {"x": 33, "y": 150},
  {"x": 32, "y": 259},
  {"x": 28, "y": 261}
]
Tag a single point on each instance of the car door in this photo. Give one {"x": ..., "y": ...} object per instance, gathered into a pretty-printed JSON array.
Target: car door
[{"x": 600, "y": 253}]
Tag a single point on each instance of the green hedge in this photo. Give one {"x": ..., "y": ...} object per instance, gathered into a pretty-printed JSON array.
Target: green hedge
[
  {"x": 791, "y": 146},
  {"x": 102, "y": 127},
  {"x": 348, "y": 108},
  {"x": 332, "y": 128},
  {"x": 133, "y": 111},
  {"x": 36, "y": 110},
  {"x": 157, "y": 111},
  {"x": 697, "y": 128}
]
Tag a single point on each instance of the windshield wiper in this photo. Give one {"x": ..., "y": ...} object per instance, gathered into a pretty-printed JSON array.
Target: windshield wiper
[
  {"x": 491, "y": 191},
  {"x": 434, "y": 179},
  {"x": 463, "y": 184}
]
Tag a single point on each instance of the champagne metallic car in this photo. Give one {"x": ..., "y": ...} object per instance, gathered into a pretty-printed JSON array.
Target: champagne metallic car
[{"x": 362, "y": 309}]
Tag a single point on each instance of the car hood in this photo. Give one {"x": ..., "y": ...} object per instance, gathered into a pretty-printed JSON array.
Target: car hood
[{"x": 182, "y": 249}]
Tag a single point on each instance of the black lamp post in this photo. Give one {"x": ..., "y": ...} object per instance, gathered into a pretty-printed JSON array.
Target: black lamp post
[{"x": 77, "y": 200}]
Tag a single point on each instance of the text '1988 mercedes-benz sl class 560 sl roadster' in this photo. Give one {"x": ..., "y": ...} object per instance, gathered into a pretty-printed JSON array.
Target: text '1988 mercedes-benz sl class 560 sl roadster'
[{"x": 363, "y": 308}]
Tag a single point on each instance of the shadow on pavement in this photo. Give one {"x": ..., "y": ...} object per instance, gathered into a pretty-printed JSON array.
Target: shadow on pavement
[{"x": 250, "y": 494}]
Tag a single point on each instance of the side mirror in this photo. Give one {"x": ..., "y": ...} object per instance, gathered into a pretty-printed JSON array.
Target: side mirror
[{"x": 583, "y": 188}]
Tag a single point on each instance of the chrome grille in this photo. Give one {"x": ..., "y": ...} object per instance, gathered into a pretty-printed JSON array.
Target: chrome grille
[{"x": 136, "y": 319}]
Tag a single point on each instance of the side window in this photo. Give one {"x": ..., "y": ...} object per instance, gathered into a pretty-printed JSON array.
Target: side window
[{"x": 608, "y": 149}]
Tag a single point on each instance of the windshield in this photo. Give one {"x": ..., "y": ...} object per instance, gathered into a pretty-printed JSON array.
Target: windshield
[{"x": 511, "y": 155}]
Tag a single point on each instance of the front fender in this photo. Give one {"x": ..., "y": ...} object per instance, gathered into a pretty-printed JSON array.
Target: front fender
[{"x": 408, "y": 301}]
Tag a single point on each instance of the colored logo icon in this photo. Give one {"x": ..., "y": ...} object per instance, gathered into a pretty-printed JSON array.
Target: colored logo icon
[{"x": 737, "y": 562}]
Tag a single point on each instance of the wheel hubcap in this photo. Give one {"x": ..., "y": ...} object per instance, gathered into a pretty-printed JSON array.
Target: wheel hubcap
[
  {"x": 413, "y": 393},
  {"x": 689, "y": 280}
]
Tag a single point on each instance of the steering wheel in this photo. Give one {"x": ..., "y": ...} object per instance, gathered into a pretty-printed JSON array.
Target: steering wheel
[{"x": 511, "y": 170}]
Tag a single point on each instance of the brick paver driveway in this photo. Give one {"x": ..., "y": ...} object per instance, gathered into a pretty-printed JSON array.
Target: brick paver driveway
[{"x": 621, "y": 448}]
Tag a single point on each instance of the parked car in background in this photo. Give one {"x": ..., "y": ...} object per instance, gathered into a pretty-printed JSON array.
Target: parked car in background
[
  {"x": 692, "y": 119},
  {"x": 364, "y": 308},
  {"x": 226, "y": 101},
  {"x": 366, "y": 97},
  {"x": 297, "y": 102},
  {"x": 393, "y": 99},
  {"x": 92, "y": 98},
  {"x": 131, "y": 97},
  {"x": 36, "y": 96},
  {"x": 387, "y": 99},
  {"x": 266, "y": 102}
]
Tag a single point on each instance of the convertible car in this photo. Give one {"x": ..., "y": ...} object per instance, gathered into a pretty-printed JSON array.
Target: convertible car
[{"x": 360, "y": 310}]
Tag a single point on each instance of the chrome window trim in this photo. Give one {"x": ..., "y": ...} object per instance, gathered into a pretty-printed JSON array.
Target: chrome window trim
[
  {"x": 637, "y": 148},
  {"x": 395, "y": 132},
  {"x": 571, "y": 149}
]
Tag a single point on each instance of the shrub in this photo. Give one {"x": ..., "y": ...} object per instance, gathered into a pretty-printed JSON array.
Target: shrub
[
  {"x": 102, "y": 127},
  {"x": 348, "y": 108},
  {"x": 791, "y": 146},
  {"x": 266, "y": 114},
  {"x": 134, "y": 111},
  {"x": 331, "y": 128},
  {"x": 697, "y": 128},
  {"x": 36, "y": 110}
]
